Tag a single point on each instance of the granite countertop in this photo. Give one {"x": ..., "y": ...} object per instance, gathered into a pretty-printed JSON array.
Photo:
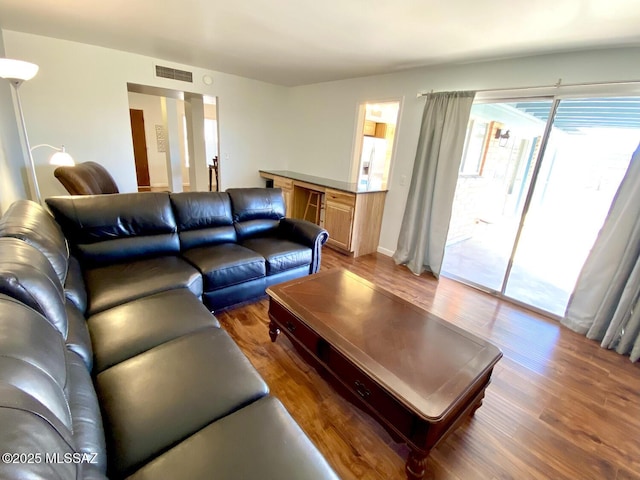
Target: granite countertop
[{"x": 324, "y": 182}]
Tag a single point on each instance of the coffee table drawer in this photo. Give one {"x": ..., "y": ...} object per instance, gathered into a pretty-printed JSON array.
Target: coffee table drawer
[
  {"x": 385, "y": 407},
  {"x": 294, "y": 327}
]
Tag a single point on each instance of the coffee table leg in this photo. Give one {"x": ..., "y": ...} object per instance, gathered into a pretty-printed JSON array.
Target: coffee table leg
[
  {"x": 478, "y": 404},
  {"x": 416, "y": 465},
  {"x": 274, "y": 331}
]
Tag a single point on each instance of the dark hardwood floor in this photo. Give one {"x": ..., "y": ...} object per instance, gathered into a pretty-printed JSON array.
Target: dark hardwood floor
[{"x": 559, "y": 406}]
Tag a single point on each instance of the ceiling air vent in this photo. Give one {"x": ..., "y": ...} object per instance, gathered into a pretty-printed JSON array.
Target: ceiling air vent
[{"x": 174, "y": 74}]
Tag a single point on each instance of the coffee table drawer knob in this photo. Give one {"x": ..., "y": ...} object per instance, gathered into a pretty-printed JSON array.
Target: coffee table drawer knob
[
  {"x": 290, "y": 326},
  {"x": 363, "y": 391}
]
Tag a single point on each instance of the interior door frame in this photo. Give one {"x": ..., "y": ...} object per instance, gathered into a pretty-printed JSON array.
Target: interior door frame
[{"x": 358, "y": 136}]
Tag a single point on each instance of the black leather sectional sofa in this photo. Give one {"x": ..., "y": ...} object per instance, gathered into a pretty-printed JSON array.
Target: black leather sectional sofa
[{"x": 110, "y": 364}]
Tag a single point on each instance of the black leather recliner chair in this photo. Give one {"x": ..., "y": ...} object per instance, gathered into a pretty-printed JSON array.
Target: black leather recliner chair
[{"x": 87, "y": 178}]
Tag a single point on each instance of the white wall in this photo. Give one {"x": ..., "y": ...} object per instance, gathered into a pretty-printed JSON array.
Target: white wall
[
  {"x": 79, "y": 99},
  {"x": 323, "y": 116},
  {"x": 12, "y": 169}
]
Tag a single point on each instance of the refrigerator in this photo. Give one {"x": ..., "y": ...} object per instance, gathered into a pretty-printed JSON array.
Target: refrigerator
[{"x": 372, "y": 163}]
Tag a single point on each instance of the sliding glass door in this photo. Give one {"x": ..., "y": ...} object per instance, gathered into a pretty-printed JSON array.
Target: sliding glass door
[
  {"x": 535, "y": 185},
  {"x": 495, "y": 177}
]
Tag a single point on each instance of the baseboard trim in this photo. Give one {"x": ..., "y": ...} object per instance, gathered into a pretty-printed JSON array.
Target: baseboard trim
[{"x": 385, "y": 251}]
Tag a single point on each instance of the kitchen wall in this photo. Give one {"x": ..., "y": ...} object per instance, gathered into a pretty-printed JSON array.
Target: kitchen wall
[
  {"x": 323, "y": 116},
  {"x": 79, "y": 98},
  {"x": 12, "y": 168}
]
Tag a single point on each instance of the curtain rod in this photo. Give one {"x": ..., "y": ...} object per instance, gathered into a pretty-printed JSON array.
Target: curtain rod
[{"x": 558, "y": 84}]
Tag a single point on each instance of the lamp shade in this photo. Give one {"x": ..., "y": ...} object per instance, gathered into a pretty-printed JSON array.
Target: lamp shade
[
  {"x": 17, "y": 69},
  {"x": 62, "y": 159}
]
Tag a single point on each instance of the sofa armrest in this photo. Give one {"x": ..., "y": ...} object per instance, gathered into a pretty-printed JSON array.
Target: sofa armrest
[{"x": 306, "y": 233}]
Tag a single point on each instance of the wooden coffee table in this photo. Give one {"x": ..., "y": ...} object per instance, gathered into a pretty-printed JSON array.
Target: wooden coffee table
[{"x": 417, "y": 374}]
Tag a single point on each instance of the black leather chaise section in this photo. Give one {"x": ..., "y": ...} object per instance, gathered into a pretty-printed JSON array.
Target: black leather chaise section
[
  {"x": 127, "y": 330},
  {"x": 170, "y": 392},
  {"x": 269, "y": 439}
]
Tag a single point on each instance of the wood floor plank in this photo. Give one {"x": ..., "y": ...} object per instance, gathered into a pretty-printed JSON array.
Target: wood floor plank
[{"x": 559, "y": 406}]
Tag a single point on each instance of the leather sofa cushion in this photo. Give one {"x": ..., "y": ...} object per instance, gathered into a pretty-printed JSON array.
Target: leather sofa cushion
[
  {"x": 78, "y": 339},
  {"x": 113, "y": 285},
  {"x": 280, "y": 255},
  {"x": 103, "y": 229},
  {"x": 32, "y": 357},
  {"x": 88, "y": 433},
  {"x": 158, "y": 398},
  {"x": 203, "y": 218},
  {"x": 226, "y": 264},
  {"x": 74, "y": 288},
  {"x": 256, "y": 228},
  {"x": 226, "y": 297},
  {"x": 25, "y": 431},
  {"x": 31, "y": 223},
  {"x": 273, "y": 448},
  {"x": 27, "y": 275},
  {"x": 256, "y": 204},
  {"x": 127, "y": 330},
  {"x": 256, "y": 211},
  {"x": 223, "y": 298}
]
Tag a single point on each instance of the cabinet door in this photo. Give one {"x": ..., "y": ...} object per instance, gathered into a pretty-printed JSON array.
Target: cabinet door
[
  {"x": 287, "y": 193},
  {"x": 369, "y": 128},
  {"x": 338, "y": 221}
]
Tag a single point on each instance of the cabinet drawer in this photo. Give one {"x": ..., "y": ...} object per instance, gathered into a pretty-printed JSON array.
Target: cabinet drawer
[
  {"x": 337, "y": 196},
  {"x": 284, "y": 183},
  {"x": 385, "y": 407},
  {"x": 293, "y": 327}
]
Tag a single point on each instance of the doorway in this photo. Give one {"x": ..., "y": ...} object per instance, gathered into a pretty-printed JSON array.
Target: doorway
[
  {"x": 164, "y": 139},
  {"x": 535, "y": 185},
  {"x": 375, "y": 144}
]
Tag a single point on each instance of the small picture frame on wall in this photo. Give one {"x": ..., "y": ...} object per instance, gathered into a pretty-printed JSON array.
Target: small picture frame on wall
[{"x": 161, "y": 139}]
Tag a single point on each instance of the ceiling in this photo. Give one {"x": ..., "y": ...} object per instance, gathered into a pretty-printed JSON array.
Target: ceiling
[{"x": 295, "y": 42}]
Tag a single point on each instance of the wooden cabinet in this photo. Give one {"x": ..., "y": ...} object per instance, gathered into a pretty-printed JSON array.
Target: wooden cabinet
[
  {"x": 374, "y": 129},
  {"x": 286, "y": 184},
  {"x": 367, "y": 222},
  {"x": 369, "y": 128},
  {"x": 353, "y": 219},
  {"x": 381, "y": 130},
  {"x": 339, "y": 210}
]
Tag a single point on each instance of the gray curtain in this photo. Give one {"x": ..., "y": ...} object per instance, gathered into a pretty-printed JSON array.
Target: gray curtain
[
  {"x": 425, "y": 224},
  {"x": 604, "y": 305}
]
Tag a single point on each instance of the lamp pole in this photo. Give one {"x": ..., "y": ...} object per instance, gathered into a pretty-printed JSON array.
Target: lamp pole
[
  {"x": 17, "y": 71},
  {"x": 31, "y": 167}
]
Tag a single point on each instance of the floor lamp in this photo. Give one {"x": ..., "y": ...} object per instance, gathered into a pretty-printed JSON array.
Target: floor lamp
[{"x": 17, "y": 72}]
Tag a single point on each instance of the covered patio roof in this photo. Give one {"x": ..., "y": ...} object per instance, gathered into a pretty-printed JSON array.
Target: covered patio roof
[{"x": 620, "y": 112}]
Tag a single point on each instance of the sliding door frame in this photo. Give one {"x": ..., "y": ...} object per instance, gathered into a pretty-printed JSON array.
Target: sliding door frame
[
  {"x": 556, "y": 95},
  {"x": 530, "y": 191}
]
